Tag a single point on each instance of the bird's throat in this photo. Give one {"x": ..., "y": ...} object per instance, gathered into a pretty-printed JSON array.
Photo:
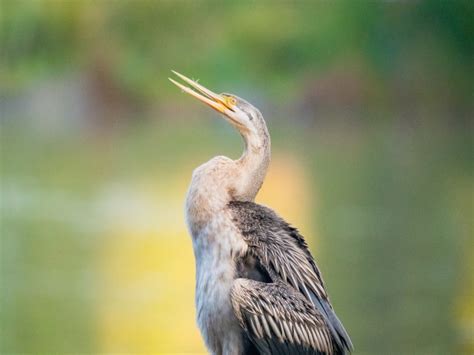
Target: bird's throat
[{"x": 253, "y": 165}]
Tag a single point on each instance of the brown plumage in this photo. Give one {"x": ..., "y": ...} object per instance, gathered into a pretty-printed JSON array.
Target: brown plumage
[
  {"x": 279, "y": 319},
  {"x": 258, "y": 289},
  {"x": 294, "y": 288}
]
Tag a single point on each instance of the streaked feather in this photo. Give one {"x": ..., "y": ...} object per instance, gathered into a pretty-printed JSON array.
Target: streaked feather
[
  {"x": 297, "y": 328},
  {"x": 283, "y": 253}
]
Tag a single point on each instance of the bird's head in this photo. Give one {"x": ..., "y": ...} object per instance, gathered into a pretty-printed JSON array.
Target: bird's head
[{"x": 241, "y": 114}]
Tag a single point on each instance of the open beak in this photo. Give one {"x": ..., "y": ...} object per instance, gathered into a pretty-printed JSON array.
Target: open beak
[{"x": 216, "y": 101}]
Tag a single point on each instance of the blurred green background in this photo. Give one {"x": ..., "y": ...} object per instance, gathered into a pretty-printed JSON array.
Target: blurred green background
[{"x": 370, "y": 108}]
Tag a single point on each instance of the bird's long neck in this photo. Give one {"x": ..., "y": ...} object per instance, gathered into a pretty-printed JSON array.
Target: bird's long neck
[
  {"x": 221, "y": 180},
  {"x": 253, "y": 164}
]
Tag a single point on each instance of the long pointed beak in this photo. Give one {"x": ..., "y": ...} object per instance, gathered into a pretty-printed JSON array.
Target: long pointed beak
[{"x": 216, "y": 101}]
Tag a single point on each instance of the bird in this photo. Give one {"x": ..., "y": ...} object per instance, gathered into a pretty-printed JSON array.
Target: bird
[{"x": 258, "y": 288}]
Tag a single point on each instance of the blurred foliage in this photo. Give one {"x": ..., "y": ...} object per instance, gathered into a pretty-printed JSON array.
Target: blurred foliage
[
  {"x": 273, "y": 44},
  {"x": 370, "y": 109}
]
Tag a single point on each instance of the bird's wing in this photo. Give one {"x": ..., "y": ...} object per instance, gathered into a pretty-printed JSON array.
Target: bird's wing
[
  {"x": 279, "y": 320},
  {"x": 284, "y": 254}
]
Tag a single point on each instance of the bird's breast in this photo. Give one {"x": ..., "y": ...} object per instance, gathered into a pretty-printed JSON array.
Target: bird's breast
[
  {"x": 206, "y": 199},
  {"x": 217, "y": 249},
  {"x": 218, "y": 244}
]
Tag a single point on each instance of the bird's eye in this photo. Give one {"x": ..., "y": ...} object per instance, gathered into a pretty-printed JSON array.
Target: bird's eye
[{"x": 231, "y": 101}]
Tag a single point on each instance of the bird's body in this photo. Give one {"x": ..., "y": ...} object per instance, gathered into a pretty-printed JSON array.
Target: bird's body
[{"x": 258, "y": 289}]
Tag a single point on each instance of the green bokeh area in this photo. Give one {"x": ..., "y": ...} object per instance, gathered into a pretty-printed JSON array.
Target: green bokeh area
[{"x": 375, "y": 100}]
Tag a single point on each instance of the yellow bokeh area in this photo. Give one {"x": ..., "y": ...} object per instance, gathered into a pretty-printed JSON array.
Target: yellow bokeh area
[{"x": 147, "y": 269}]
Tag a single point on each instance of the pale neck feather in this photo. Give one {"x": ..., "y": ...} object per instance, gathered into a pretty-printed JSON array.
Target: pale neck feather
[
  {"x": 252, "y": 165},
  {"x": 221, "y": 180}
]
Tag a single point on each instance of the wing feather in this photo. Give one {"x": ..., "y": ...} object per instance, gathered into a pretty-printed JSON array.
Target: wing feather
[
  {"x": 294, "y": 326},
  {"x": 283, "y": 253}
]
